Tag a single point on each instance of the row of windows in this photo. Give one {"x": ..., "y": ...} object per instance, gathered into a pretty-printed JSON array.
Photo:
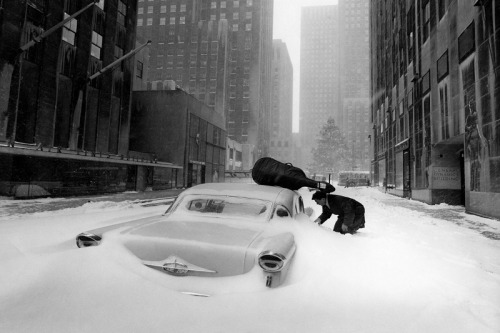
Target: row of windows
[
  {"x": 163, "y": 20},
  {"x": 182, "y": 20},
  {"x": 236, "y": 16},
  {"x": 236, "y": 4},
  {"x": 163, "y": 9}
]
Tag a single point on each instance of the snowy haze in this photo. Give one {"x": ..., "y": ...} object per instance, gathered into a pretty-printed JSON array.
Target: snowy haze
[
  {"x": 407, "y": 271},
  {"x": 286, "y": 26}
]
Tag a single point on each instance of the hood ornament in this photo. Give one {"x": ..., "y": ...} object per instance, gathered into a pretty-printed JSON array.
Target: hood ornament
[{"x": 177, "y": 266}]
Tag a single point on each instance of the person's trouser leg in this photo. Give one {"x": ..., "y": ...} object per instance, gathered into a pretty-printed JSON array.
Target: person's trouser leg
[
  {"x": 359, "y": 219},
  {"x": 338, "y": 226}
]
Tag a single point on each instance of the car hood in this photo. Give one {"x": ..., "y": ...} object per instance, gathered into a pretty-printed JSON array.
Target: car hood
[{"x": 212, "y": 247}]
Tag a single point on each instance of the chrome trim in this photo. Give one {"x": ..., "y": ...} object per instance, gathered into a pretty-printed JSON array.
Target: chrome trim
[
  {"x": 192, "y": 293},
  {"x": 278, "y": 260},
  {"x": 269, "y": 281},
  {"x": 176, "y": 266},
  {"x": 91, "y": 239}
]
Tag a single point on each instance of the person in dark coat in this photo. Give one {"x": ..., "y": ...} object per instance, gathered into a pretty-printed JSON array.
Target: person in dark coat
[{"x": 351, "y": 213}]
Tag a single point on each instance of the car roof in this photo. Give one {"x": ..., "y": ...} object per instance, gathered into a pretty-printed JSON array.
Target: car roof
[{"x": 239, "y": 189}]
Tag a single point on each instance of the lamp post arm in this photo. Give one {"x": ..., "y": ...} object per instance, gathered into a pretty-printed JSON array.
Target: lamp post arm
[
  {"x": 44, "y": 34},
  {"x": 117, "y": 61}
]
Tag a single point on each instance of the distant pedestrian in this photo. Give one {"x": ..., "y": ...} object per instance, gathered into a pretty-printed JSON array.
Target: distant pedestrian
[
  {"x": 351, "y": 213},
  {"x": 346, "y": 183}
]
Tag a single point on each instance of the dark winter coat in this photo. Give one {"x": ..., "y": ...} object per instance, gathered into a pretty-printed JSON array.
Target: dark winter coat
[{"x": 349, "y": 211}]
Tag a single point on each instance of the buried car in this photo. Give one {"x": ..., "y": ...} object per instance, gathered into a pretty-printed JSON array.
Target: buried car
[{"x": 215, "y": 230}]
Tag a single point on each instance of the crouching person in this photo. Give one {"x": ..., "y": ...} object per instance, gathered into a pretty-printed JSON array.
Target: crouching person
[{"x": 351, "y": 213}]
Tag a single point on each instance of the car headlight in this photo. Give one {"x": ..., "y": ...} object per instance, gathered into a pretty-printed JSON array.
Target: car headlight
[
  {"x": 271, "y": 262},
  {"x": 87, "y": 239}
]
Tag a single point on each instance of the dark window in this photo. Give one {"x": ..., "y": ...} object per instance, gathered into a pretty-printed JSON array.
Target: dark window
[
  {"x": 122, "y": 13},
  {"x": 442, "y": 66},
  {"x": 426, "y": 12},
  {"x": 466, "y": 42},
  {"x": 426, "y": 82},
  {"x": 441, "y": 8},
  {"x": 140, "y": 69}
]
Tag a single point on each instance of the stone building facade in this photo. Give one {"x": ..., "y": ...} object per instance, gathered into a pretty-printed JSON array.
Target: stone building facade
[{"x": 435, "y": 101}]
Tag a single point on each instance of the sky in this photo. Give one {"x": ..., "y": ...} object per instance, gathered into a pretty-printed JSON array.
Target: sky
[
  {"x": 409, "y": 270},
  {"x": 286, "y": 26}
]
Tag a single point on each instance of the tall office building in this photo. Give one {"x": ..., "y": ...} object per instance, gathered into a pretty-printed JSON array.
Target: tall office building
[
  {"x": 435, "y": 102},
  {"x": 355, "y": 80},
  {"x": 319, "y": 75},
  {"x": 65, "y": 121},
  {"x": 282, "y": 104},
  {"x": 240, "y": 81}
]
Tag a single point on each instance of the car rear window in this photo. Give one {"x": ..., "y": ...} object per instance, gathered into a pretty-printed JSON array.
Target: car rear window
[{"x": 226, "y": 206}]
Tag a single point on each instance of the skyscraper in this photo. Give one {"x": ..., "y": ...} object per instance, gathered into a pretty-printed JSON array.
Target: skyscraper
[
  {"x": 435, "y": 102},
  {"x": 354, "y": 76},
  {"x": 243, "y": 32},
  {"x": 282, "y": 104},
  {"x": 319, "y": 74}
]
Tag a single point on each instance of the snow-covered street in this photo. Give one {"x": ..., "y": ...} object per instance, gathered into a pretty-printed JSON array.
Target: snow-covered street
[{"x": 414, "y": 268}]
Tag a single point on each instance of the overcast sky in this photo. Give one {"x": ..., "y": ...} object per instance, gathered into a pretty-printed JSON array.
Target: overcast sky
[{"x": 287, "y": 28}]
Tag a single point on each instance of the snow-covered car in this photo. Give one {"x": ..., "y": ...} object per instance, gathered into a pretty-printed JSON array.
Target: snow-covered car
[{"x": 215, "y": 230}]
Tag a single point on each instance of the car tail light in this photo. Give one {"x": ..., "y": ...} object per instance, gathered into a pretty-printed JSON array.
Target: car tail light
[
  {"x": 271, "y": 262},
  {"x": 86, "y": 239}
]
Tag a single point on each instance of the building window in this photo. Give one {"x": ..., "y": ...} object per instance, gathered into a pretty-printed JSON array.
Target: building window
[
  {"x": 140, "y": 69},
  {"x": 163, "y": 9},
  {"x": 95, "y": 50},
  {"x": 183, "y": 8},
  {"x": 236, "y": 16},
  {"x": 122, "y": 13},
  {"x": 150, "y": 21},
  {"x": 222, "y": 4},
  {"x": 162, "y": 21},
  {"x": 441, "y": 8},
  {"x": 427, "y": 20},
  {"x": 248, "y": 15},
  {"x": 442, "y": 66},
  {"x": 213, "y": 5},
  {"x": 248, "y": 26},
  {"x": 249, "y": 3},
  {"x": 139, "y": 22},
  {"x": 118, "y": 52},
  {"x": 173, "y": 8},
  {"x": 172, "y": 20},
  {"x": 150, "y": 9},
  {"x": 235, "y": 27},
  {"x": 69, "y": 30},
  {"x": 213, "y": 17},
  {"x": 466, "y": 42},
  {"x": 444, "y": 110},
  {"x": 182, "y": 20},
  {"x": 236, "y": 4},
  {"x": 140, "y": 10},
  {"x": 426, "y": 82}
]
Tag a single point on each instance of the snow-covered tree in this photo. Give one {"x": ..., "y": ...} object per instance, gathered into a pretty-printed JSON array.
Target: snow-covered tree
[{"x": 331, "y": 151}]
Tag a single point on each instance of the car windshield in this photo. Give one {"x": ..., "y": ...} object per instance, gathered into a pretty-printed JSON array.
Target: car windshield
[{"x": 226, "y": 206}]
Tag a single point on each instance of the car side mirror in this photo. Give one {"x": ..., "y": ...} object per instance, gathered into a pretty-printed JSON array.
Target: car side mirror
[{"x": 282, "y": 212}]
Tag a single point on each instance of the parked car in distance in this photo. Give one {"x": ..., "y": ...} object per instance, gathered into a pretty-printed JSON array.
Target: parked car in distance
[{"x": 214, "y": 230}]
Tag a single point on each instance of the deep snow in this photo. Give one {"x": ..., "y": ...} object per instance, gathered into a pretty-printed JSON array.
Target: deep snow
[{"x": 408, "y": 271}]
